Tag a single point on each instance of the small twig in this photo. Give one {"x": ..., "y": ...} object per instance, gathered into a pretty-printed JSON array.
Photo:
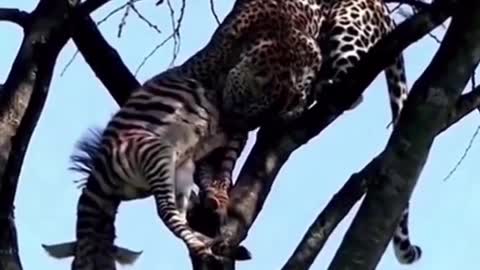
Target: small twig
[
  {"x": 175, "y": 34},
  {"x": 104, "y": 19},
  {"x": 176, "y": 30},
  {"x": 116, "y": 10},
  {"x": 69, "y": 63},
  {"x": 212, "y": 8},
  {"x": 89, "y": 6},
  {"x": 394, "y": 9},
  {"x": 14, "y": 15},
  {"x": 320, "y": 230},
  {"x": 123, "y": 20},
  {"x": 470, "y": 143},
  {"x": 141, "y": 17},
  {"x": 435, "y": 38},
  {"x": 474, "y": 85}
]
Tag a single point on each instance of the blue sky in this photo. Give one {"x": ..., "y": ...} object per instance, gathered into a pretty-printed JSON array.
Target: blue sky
[{"x": 444, "y": 220}]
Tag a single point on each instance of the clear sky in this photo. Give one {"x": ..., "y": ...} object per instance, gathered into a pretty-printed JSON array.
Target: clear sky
[{"x": 444, "y": 220}]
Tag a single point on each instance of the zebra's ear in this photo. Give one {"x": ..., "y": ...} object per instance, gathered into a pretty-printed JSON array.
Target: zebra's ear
[
  {"x": 125, "y": 256},
  {"x": 60, "y": 251}
]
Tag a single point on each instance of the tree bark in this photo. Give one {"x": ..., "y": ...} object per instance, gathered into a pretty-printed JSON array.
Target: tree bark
[
  {"x": 352, "y": 191},
  {"x": 22, "y": 98},
  {"x": 400, "y": 164},
  {"x": 274, "y": 145}
]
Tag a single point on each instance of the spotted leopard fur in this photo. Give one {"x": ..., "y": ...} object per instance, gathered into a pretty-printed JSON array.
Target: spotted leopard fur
[
  {"x": 263, "y": 55},
  {"x": 349, "y": 29}
]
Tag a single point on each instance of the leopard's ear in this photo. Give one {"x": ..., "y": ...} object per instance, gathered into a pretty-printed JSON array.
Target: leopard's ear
[{"x": 60, "y": 251}]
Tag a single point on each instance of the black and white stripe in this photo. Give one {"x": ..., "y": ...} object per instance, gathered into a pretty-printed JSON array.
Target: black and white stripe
[{"x": 149, "y": 147}]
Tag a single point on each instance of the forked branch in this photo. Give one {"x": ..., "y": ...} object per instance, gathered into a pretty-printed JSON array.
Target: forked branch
[
  {"x": 273, "y": 147},
  {"x": 14, "y": 15}
]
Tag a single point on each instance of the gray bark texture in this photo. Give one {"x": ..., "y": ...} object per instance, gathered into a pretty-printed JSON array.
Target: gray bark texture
[
  {"x": 397, "y": 168},
  {"x": 21, "y": 102}
]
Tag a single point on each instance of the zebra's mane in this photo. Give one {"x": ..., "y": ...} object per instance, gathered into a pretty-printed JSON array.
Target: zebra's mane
[{"x": 86, "y": 150}]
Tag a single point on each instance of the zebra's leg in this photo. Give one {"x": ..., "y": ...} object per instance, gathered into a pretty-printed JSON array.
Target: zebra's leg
[
  {"x": 405, "y": 252},
  {"x": 184, "y": 185},
  {"x": 159, "y": 171},
  {"x": 216, "y": 194},
  {"x": 94, "y": 248}
]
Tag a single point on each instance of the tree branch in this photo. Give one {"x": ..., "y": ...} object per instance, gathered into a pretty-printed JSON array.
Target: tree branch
[
  {"x": 14, "y": 15},
  {"x": 89, "y": 6},
  {"x": 323, "y": 226},
  {"x": 402, "y": 161},
  {"x": 351, "y": 192},
  {"x": 27, "y": 83},
  {"x": 465, "y": 105},
  {"x": 274, "y": 146},
  {"x": 104, "y": 60}
]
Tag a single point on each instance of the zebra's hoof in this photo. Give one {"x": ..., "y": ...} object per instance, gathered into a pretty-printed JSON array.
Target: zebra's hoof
[
  {"x": 238, "y": 253},
  {"x": 212, "y": 203},
  {"x": 242, "y": 254}
]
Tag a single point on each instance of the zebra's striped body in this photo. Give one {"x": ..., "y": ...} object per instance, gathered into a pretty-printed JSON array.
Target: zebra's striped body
[{"x": 148, "y": 148}]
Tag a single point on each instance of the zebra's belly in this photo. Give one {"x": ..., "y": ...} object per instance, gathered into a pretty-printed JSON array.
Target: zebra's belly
[{"x": 130, "y": 192}]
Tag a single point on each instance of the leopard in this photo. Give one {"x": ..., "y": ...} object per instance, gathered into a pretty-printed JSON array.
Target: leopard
[{"x": 348, "y": 31}]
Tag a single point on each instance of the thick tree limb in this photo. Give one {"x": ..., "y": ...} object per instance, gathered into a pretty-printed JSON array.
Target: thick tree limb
[
  {"x": 87, "y": 7},
  {"x": 351, "y": 192},
  {"x": 465, "y": 105},
  {"x": 14, "y": 15},
  {"x": 323, "y": 226},
  {"x": 46, "y": 32},
  {"x": 27, "y": 83},
  {"x": 401, "y": 163},
  {"x": 104, "y": 60},
  {"x": 273, "y": 147}
]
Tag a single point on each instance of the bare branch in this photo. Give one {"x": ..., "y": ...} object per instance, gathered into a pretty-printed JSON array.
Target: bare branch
[
  {"x": 104, "y": 60},
  {"x": 402, "y": 161},
  {"x": 40, "y": 47},
  {"x": 123, "y": 20},
  {"x": 14, "y": 15},
  {"x": 175, "y": 31},
  {"x": 104, "y": 19},
  {"x": 355, "y": 187},
  {"x": 69, "y": 63},
  {"x": 90, "y": 6},
  {"x": 462, "y": 158},
  {"x": 114, "y": 11},
  {"x": 464, "y": 105},
  {"x": 141, "y": 17},
  {"x": 323, "y": 226},
  {"x": 212, "y": 8},
  {"x": 175, "y": 35}
]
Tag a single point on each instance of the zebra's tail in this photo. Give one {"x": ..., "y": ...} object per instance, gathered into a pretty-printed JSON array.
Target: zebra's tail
[
  {"x": 64, "y": 250},
  {"x": 86, "y": 150},
  {"x": 96, "y": 212}
]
